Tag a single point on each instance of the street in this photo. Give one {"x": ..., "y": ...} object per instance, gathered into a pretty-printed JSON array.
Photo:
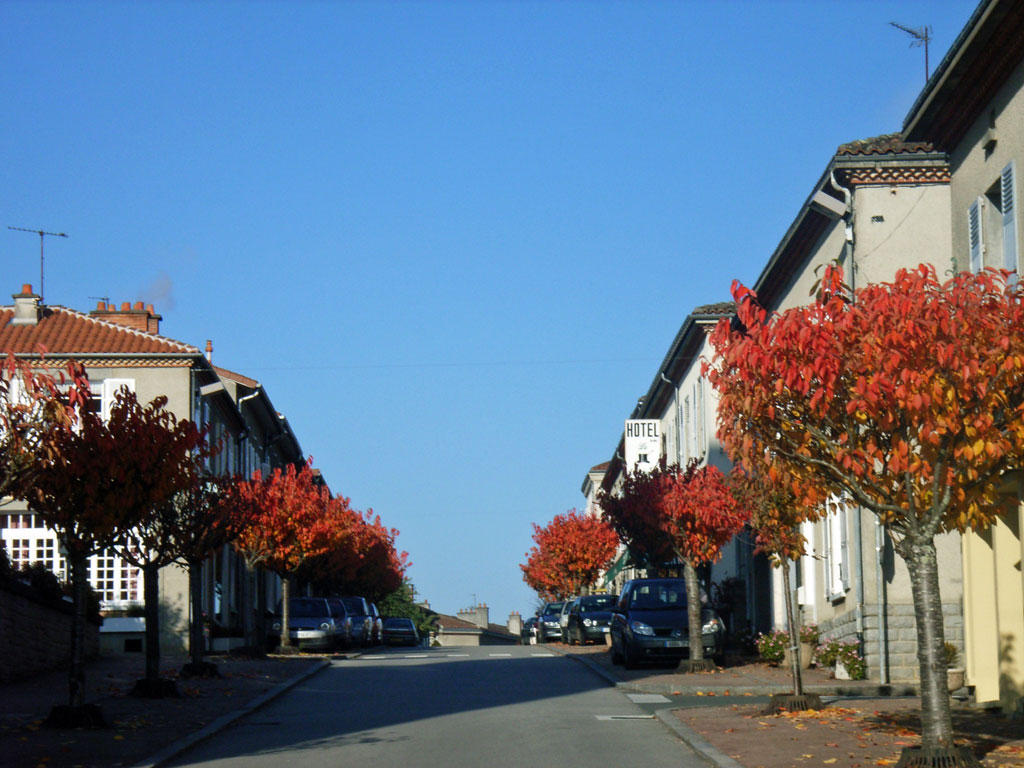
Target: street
[{"x": 493, "y": 705}]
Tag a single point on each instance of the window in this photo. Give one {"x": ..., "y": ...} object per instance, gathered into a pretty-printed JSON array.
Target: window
[
  {"x": 110, "y": 388},
  {"x": 837, "y": 558},
  {"x": 992, "y": 225}
]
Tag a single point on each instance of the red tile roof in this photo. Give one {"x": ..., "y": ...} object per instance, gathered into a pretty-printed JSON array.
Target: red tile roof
[
  {"x": 62, "y": 331},
  {"x": 224, "y": 373},
  {"x": 886, "y": 144}
]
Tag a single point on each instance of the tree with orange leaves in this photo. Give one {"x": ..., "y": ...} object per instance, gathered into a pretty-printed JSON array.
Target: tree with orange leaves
[
  {"x": 907, "y": 398},
  {"x": 99, "y": 481},
  {"x": 688, "y": 514},
  {"x": 370, "y": 563},
  {"x": 291, "y": 524},
  {"x": 569, "y": 554}
]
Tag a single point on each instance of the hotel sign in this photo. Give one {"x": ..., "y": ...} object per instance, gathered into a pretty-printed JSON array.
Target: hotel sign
[{"x": 642, "y": 444}]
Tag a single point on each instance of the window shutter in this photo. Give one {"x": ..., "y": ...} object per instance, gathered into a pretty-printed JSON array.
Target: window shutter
[
  {"x": 110, "y": 388},
  {"x": 844, "y": 551},
  {"x": 688, "y": 421},
  {"x": 974, "y": 233},
  {"x": 1007, "y": 194},
  {"x": 701, "y": 437}
]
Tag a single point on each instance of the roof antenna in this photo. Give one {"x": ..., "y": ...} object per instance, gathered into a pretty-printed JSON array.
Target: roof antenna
[
  {"x": 921, "y": 36},
  {"x": 41, "y": 234}
]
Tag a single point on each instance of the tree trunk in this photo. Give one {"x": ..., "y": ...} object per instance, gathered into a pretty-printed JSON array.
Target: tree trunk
[
  {"x": 286, "y": 592},
  {"x": 195, "y": 632},
  {"x": 261, "y": 611},
  {"x": 922, "y": 562},
  {"x": 794, "y": 634},
  {"x": 151, "y": 596},
  {"x": 80, "y": 606},
  {"x": 694, "y": 609}
]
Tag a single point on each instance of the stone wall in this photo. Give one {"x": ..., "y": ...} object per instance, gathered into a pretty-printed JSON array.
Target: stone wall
[
  {"x": 35, "y": 635},
  {"x": 901, "y": 636}
]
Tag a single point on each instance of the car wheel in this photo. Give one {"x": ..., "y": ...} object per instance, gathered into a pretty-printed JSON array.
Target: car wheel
[{"x": 629, "y": 657}]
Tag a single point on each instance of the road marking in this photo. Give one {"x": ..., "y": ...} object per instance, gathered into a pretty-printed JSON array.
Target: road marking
[
  {"x": 500, "y": 655},
  {"x": 543, "y": 655},
  {"x": 647, "y": 698},
  {"x": 457, "y": 655},
  {"x": 624, "y": 717},
  {"x": 373, "y": 658},
  {"x": 427, "y": 656}
]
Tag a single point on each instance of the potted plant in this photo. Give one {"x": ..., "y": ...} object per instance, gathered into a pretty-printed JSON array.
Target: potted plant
[
  {"x": 955, "y": 676},
  {"x": 809, "y": 634},
  {"x": 771, "y": 647}
]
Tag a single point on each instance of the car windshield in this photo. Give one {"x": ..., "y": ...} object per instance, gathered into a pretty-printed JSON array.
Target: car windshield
[
  {"x": 597, "y": 603},
  {"x": 553, "y": 608},
  {"x": 658, "y": 595},
  {"x": 354, "y": 605},
  {"x": 307, "y": 609},
  {"x": 398, "y": 623}
]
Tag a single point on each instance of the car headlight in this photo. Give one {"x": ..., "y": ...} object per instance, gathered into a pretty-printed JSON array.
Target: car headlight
[
  {"x": 713, "y": 625},
  {"x": 589, "y": 622},
  {"x": 550, "y": 623},
  {"x": 639, "y": 628},
  {"x": 326, "y": 626}
]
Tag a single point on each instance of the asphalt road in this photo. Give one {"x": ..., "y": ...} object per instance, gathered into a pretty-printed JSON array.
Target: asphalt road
[{"x": 451, "y": 707}]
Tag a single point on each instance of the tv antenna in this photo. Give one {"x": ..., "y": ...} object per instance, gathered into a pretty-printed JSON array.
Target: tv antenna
[
  {"x": 42, "y": 234},
  {"x": 921, "y": 37}
]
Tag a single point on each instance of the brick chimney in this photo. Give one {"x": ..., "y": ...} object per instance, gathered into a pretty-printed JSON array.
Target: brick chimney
[
  {"x": 140, "y": 317},
  {"x": 477, "y": 615},
  {"x": 26, "y": 306}
]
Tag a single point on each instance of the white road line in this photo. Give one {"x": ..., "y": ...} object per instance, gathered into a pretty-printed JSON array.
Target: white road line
[
  {"x": 543, "y": 655},
  {"x": 420, "y": 656},
  {"x": 647, "y": 698},
  {"x": 624, "y": 717},
  {"x": 500, "y": 655},
  {"x": 457, "y": 655},
  {"x": 373, "y": 658}
]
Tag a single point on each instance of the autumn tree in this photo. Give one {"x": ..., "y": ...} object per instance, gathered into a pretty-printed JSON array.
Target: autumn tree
[
  {"x": 775, "y": 516},
  {"x": 569, "y": 554},
  {"x": 291, "y": 525},
  {"x": 365, "y": 561},
  {"x": 687, "y": 514},
  {"x": 907, "y": 398},
  {"x": 99, "y": 481}
]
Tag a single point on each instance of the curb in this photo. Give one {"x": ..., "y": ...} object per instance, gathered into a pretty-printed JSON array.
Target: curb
[
  {"x": 187, "y": 742},
  {"x": 695, "y": 741}
]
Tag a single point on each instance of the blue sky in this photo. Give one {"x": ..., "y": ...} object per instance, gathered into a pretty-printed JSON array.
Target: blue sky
[{"x": 453, "y": 240}]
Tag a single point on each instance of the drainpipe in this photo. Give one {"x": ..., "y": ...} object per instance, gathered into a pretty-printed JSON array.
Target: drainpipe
[
  {"x": 883, "y": 614},
  {"x": 858, "y": 533}
]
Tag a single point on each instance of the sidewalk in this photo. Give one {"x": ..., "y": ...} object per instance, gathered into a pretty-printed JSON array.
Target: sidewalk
[
  {"x": 141, "y": 730},
  {"x": 859, "y": 727}
]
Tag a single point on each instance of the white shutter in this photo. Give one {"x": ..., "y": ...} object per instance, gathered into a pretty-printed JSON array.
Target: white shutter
[
  {"x": 702, "y": 435},
  {"x": 1008, "y": 200},
  {"x": 110, "y": 388},
  {"x": 975, "y": 237}
]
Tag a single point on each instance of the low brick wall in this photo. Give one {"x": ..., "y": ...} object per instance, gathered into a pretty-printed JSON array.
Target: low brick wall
[{"x": 35, "y": 635}]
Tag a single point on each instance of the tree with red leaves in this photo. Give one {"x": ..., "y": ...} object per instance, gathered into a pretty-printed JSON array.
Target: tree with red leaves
[
  {"x": 688, "y": 514},
  {"x": 292, "y": 524},
  {"x": 368, "y": 562},
  {"x": 907, "y": 398},
  {"x": 568, "y": 555},
  {"x": 101, "y": 480}
]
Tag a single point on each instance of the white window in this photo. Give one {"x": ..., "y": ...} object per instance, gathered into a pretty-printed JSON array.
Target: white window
[
  {"x": 28, "y": 542},
  {"x": 110, "y": 388},
  {"x": 992, "y": 225},
  {"x": 687, "y": 452},
  {"x": 837, "y": 558},
  {"x": 115, "y": 579}
]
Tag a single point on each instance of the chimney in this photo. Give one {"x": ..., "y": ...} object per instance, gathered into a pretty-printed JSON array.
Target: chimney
[
  {"x": 515, "y": 623},
  {"x": 480, "y": 617},
  {"x": 139, "y": 316},
  {"x": 209, "y": 350},
  {"x": 26, "y": 306}
]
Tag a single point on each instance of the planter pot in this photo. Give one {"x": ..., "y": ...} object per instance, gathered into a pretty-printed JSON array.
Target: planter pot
[
  {"x": 955, "y": 679},
  {"x": 806, "y": 657},
  {"x": 840, "y": 672}
]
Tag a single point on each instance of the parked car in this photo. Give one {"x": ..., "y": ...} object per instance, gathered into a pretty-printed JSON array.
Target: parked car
[
  {"x": 590, "y": 619},
  {"x": 563, "y": 617},
  {"x": 651, "y": 622},
  {"x": 398, "y": 631},
  {"x": 310, "y": 623},
  {"x": 529, "y": 630},
  {"x": 342, "y": 622},
  {"x": 547, "y": 622},
  {"x": 362, "y": 620},
  {"x": 377, "y": 631}
]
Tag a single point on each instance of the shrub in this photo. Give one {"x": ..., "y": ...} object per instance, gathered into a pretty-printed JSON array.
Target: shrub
[
  {"x": 951, "y": 654},
  {"x": 772, "y": 647},
  {"x": 43, "y": 581},
  {"x": 832, "y": 652},
  {"x": 809, "y": 633}
]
